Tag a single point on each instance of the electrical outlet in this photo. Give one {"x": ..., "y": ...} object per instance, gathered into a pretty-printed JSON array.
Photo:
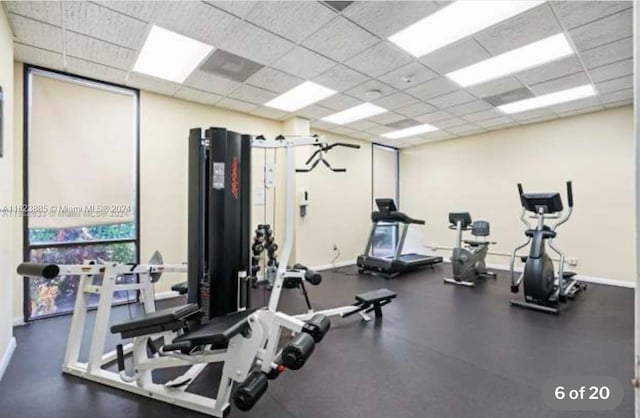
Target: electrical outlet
[{"x": 572, "y": 261}]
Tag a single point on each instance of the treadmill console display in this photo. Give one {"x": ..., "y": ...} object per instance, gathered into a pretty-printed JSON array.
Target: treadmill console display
[{"x": 386, "y": 205}]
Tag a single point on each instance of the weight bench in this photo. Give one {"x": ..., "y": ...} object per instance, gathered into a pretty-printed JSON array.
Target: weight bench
[
  {"x": 373, "y": 300},
  {"x": 165, "y": 320}
]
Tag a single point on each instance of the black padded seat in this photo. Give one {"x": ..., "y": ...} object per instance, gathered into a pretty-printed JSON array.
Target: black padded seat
[
  {"x": 218, "y": 331},
  {"x": 375, "y": 296},
  {"x": 170, "y": 319},
  {"x": 475, "y": 243},
  {"x": 181, "y": 288}
]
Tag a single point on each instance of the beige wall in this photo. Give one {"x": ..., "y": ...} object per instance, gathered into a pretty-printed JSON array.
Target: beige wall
[
  {"x": 6, "y": 185},
  {"x": 339, "y": 205},
  {"x": 384, "y": 173},
  {"x": 479, "y": 174}
]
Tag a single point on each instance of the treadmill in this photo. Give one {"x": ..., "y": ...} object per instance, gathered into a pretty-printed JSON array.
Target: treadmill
[{"x": 395, "y": 263}]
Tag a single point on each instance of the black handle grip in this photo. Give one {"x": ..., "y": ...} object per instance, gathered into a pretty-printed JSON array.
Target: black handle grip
[
  {"x": 120, "y": 357},
  {"x": 570, "y": 194},
  {"x": 47, "y": 271},
  {"x": 313, "y": 277},
  {"x": 520, "y": 192},
  {"x": 185, "y": 345},
  {"x": 339, "y": 170}
]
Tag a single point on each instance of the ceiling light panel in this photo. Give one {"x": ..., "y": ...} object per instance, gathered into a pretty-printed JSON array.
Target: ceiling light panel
[
  {"x": 355, "y": 113},
  {"x": 455, "y": 22},
  {"x": 528, "y": 56},
  {"x": 169, "y": 55},
  {"x": 549, "y": 99},
  {"x": 414, "y": 130},
  {"x": 301, "y": 96}
]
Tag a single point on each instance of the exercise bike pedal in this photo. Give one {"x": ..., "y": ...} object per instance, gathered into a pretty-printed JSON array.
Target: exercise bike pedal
[{"x": 515, "y": 289}]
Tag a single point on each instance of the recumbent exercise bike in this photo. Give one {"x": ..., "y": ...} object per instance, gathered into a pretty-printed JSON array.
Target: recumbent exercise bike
[
  {"x": 468, "y": 263},
  {"x": 544, "y": 290}
]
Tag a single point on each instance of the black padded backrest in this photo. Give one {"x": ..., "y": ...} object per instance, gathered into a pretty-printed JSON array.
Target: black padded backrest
[
  {"x": 463, "y": 217},
  {"x": 480, "y": 229}
]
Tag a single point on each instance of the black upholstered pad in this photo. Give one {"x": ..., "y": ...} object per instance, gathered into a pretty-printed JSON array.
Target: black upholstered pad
[
  {"x": 163, "y": 320},
  {"x": 218, "y": 331},
  {"x": 181, "y": 288},
  {"x": 375, "y": 296}
]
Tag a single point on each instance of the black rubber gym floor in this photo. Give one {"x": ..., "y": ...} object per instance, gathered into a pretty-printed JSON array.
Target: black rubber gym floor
[{"x": 440, "y": 351}]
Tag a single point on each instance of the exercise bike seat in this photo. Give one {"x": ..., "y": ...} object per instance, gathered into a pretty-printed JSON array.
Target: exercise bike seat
[
  {"x": 568, "y": 274},
  {"x": 473, "y": 243}
]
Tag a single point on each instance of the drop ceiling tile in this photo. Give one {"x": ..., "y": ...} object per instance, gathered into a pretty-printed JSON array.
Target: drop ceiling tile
[
  {"x": 379, "y": 59},
  {"x": 339, "y": 102},
  {"x": 617, "y": 104},
  {"x": 470, "y": 107},
  {"x": 360, "y": 90},
  {"x": 314, "y": 112},
  {"x": 537, "y": 120},
  {"x": 432, "y": 117},
  {"x": 256, "y": 44},
  {"x": 608, "y": 53},
  {"x": 582, "y": 111},
  {"x": 483, "y": 115},
  {"x": 195, "y": 19},
  {"x": 321, "y": 124},
  {"x": 452, "y": 99},
  {"x": 251, "y": 94},
  {"x": 363, "y": 125},
  {"x": 294, "y": 20},
  {"x": 340, "y": 78},
  {"x": 303, "y": 63},
  {"x": 562, "y": 83},
  {"x": 270, "y": 113},
  {"x": 37, "y": 34},
  {"x": 603, "y": 31},
  {"x": 97, "y": 71},
  {"x": 360, "y": 135},
  {"x": 437, "y": 135},
  {"x": 417, "y": 140},
  {"x": 468, "y": 129},
  {"x": 533, "y": 25},
  {"x": 90, "y": 49},
  {"x": 617, "y": 96},
  {"x": 340, "y": 40},
  {"x": 104, "y": 24},
  {"x": 384, "y": 18},
  {"x": 415, "y": 72},
  {"x": 379, "y": 130},
  {"x": 395, "y": 101},
  {"x": 239, "y": 8},
  {"x": 44, "y": 11},
  {"x": 385, "y": 118},
  {"x": 432, "y": 88},
  {"x": 274, "y": 80},
  {"x": 237, "y": 105},
  {"x": 36, "y": 56},
  {"x": 495, "y": 122},
  {"x": 211, "y": 83},
  {"x": 152, "y": 84},
  {"x": 577, "y": 13},
  {"x": 610, "y": 71},
  {"x": 416, "y": 109},
  {"x": 450, "y": 123},
  {"x": 455, "y": 56},
  {"x": 342, "y": 130},
  {"x": 492, "y": 88},
  {"x": 198, "y": 96},
  {"x": 616, "y": 84},
  {"x": 532, "y": 114},
  {"x": 576, "y": 104},
  {"x": 555, "y": 69}
]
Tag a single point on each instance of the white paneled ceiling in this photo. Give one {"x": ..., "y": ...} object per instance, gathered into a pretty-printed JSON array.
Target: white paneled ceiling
[{"x": 347, "y": 51}]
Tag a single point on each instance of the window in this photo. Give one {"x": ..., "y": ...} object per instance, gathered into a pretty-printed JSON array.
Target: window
[
  {"x": 385, "y": 178},
  {"x": 80, "y": 181}
]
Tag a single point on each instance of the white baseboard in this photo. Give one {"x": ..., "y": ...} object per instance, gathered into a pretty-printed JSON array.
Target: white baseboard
[
  {"x": 6, "y": 357},
  {"x": 169, "y": 294},
  {"x": 18, "y": 321},
  {"x": 332, "y": 266},
  {"x": 583, "y": 278}
]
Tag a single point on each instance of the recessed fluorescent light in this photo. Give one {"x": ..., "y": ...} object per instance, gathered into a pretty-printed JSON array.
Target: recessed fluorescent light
[
  {"x": 528, "y": 56},
  {"x": 355, "y": 113},
  {"x": 456, "y": 21},
  {"x": 169, "y": 55},
  {"x": 414, "y": 130},
  {"x": 301, "y": 96},
  {"x": 549, "y": 99}
]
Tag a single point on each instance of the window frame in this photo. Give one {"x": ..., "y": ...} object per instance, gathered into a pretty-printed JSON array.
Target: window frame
[{"x": 29, "y": 71}]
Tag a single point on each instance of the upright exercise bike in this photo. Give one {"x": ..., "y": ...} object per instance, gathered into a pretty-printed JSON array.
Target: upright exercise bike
[
  {"x": 544, "y": 290},
  {"x": 468, "y": 263}
]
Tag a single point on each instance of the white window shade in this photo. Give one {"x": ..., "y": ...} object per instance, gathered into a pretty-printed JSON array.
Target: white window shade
[{"x": 81, "y": 152}]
